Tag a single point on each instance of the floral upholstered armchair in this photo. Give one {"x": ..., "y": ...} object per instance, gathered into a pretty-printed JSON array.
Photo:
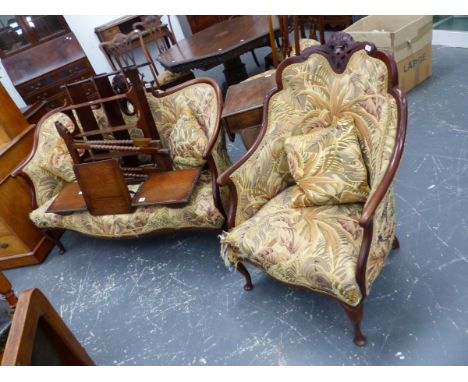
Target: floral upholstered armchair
[
  {"x": 338, "y": 115},
  {"x": 187, "y": 118}
]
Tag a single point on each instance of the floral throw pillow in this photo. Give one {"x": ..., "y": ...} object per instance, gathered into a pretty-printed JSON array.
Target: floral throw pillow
[
  {"x": 187, "y": 141},
  {"x": 327, "y": 166}
]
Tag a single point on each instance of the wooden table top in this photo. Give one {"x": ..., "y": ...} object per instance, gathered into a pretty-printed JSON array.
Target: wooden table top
[
  {"x": 168, "y": 187},
  {"x": 248, "y": 95},
  {"x": 218, "y": 43}
]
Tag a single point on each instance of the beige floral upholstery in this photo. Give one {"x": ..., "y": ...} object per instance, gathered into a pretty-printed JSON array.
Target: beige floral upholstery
[
  {"x": 313, "y": 95},
  {"x": 305, "y": 43},
  {"x": 187, "y": 141},
  {"x": 315, "y": 247},
  {"x": 327, "y": 166},
  {"x": 56, "y": 158},
  {"x": 200, "y": 212}
]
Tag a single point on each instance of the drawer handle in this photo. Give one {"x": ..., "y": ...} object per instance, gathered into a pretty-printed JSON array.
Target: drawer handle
[{"x": 4, "y": 245}]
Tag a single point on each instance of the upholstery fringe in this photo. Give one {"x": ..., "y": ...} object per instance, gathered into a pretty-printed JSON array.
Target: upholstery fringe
[{"x": 227, "y": 254}]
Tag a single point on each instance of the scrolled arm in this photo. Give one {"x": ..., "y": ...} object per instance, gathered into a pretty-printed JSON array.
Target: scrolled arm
[
  {"x": 382, "y": 187},
  {"x": 366, "y": 221}
]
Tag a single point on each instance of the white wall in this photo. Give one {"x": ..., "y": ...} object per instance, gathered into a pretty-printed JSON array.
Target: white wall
[
  {"x": 83, "y": 27},
  {"x": 6, "y": 82}
]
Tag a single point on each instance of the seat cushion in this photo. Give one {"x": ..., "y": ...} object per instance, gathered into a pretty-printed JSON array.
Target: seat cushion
[
  {"x": 313, "y": 247},
  {"x": 200, "y": 212},
  {"x": 327, "y": 166}
]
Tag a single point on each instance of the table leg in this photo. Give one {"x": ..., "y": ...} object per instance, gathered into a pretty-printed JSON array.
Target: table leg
[{"x": 234, "y": 71}]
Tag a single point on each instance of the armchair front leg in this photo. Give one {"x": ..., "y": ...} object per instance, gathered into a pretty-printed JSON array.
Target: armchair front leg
[
  {"x": 248, "y": 280},
  {"x": 355, "y": 314}
]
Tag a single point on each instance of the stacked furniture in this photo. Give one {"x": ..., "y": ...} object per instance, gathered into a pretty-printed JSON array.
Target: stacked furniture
[
  {"x": 187, "y": 119},
  {"x": 154, "y": 38},
  {"x": 243, "y": 110}
]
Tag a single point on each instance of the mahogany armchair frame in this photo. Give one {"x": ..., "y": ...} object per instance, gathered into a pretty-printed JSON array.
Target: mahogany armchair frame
[{"x": 337, "y": 51}]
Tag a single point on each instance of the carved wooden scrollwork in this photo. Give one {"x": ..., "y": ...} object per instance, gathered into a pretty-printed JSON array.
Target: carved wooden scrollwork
[{"x": 339, "y": 49}]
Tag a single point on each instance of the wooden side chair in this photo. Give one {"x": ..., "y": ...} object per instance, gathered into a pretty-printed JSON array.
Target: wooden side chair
[
  {"x": 318, "y": 23},
  {"x": 36, "y": 335},
  {"x": 155, "y": 38}
]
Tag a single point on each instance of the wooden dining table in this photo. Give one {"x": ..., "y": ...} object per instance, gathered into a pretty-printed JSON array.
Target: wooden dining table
[{"x": 222, "y": 43}]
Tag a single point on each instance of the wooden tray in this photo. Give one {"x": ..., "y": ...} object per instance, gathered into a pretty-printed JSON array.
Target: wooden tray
[
  {"x": 69, "y": 200},
  {"x": 168, "y": 187}
]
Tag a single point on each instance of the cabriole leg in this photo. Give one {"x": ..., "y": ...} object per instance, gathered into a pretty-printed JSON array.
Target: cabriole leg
[
  {"x": 248, "y": 281},
  {"x": 396, "y": 243},
  {"x": 355, "y": 315},
  {"x": 49, "y": 235}
]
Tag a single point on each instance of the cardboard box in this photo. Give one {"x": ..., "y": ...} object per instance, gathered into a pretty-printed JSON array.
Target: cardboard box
[{"x": 407, "y": 38}]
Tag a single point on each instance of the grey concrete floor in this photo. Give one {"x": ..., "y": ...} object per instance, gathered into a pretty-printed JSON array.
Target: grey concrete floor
[{"x": 169, "y": 300}]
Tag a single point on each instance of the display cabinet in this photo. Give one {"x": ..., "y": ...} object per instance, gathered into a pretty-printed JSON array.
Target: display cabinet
[{"x": 40, "y": 54}]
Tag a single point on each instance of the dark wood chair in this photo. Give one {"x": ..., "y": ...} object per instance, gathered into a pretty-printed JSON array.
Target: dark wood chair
[
  {"x": 91, "y": 144},
  {"x": 281, "y": 49},
  {"x": 153, "y": 37},
  {"x": 342, "y": 247},
  {"x": 37, "y": 335},
  {"x": 318, "y": 23}
]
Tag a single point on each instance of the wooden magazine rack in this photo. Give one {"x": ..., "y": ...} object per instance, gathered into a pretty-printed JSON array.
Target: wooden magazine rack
[{"x": 107, "y": 160}]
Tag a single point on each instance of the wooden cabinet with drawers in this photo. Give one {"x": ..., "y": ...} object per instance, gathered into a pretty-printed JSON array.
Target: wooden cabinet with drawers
[
  {"x": 199, "y": 22},
  {"x": 21, "y": 243},
  {"x": 40, "y": 66}
]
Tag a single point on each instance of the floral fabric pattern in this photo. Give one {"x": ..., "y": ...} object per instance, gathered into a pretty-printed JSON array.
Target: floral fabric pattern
[
  {"x": 201, "y": 100},
  {"x": 315, "y": 247},
  {"x": 187, "y": 142},
  {"x": 200, "y": 212},
  {"x": 314, "y": 96},
  {"x": 327, "y": 166}
]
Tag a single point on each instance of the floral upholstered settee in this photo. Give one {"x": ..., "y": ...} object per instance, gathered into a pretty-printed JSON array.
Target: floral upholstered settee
[
  {"x": 187, "y": 113},
  {"x": 335, "y": 249}
]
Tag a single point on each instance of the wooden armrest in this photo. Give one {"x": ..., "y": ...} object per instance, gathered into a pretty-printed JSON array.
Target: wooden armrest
[
  {"x": 219, "y": 98},
  {"x": 381, "y": 189}
]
